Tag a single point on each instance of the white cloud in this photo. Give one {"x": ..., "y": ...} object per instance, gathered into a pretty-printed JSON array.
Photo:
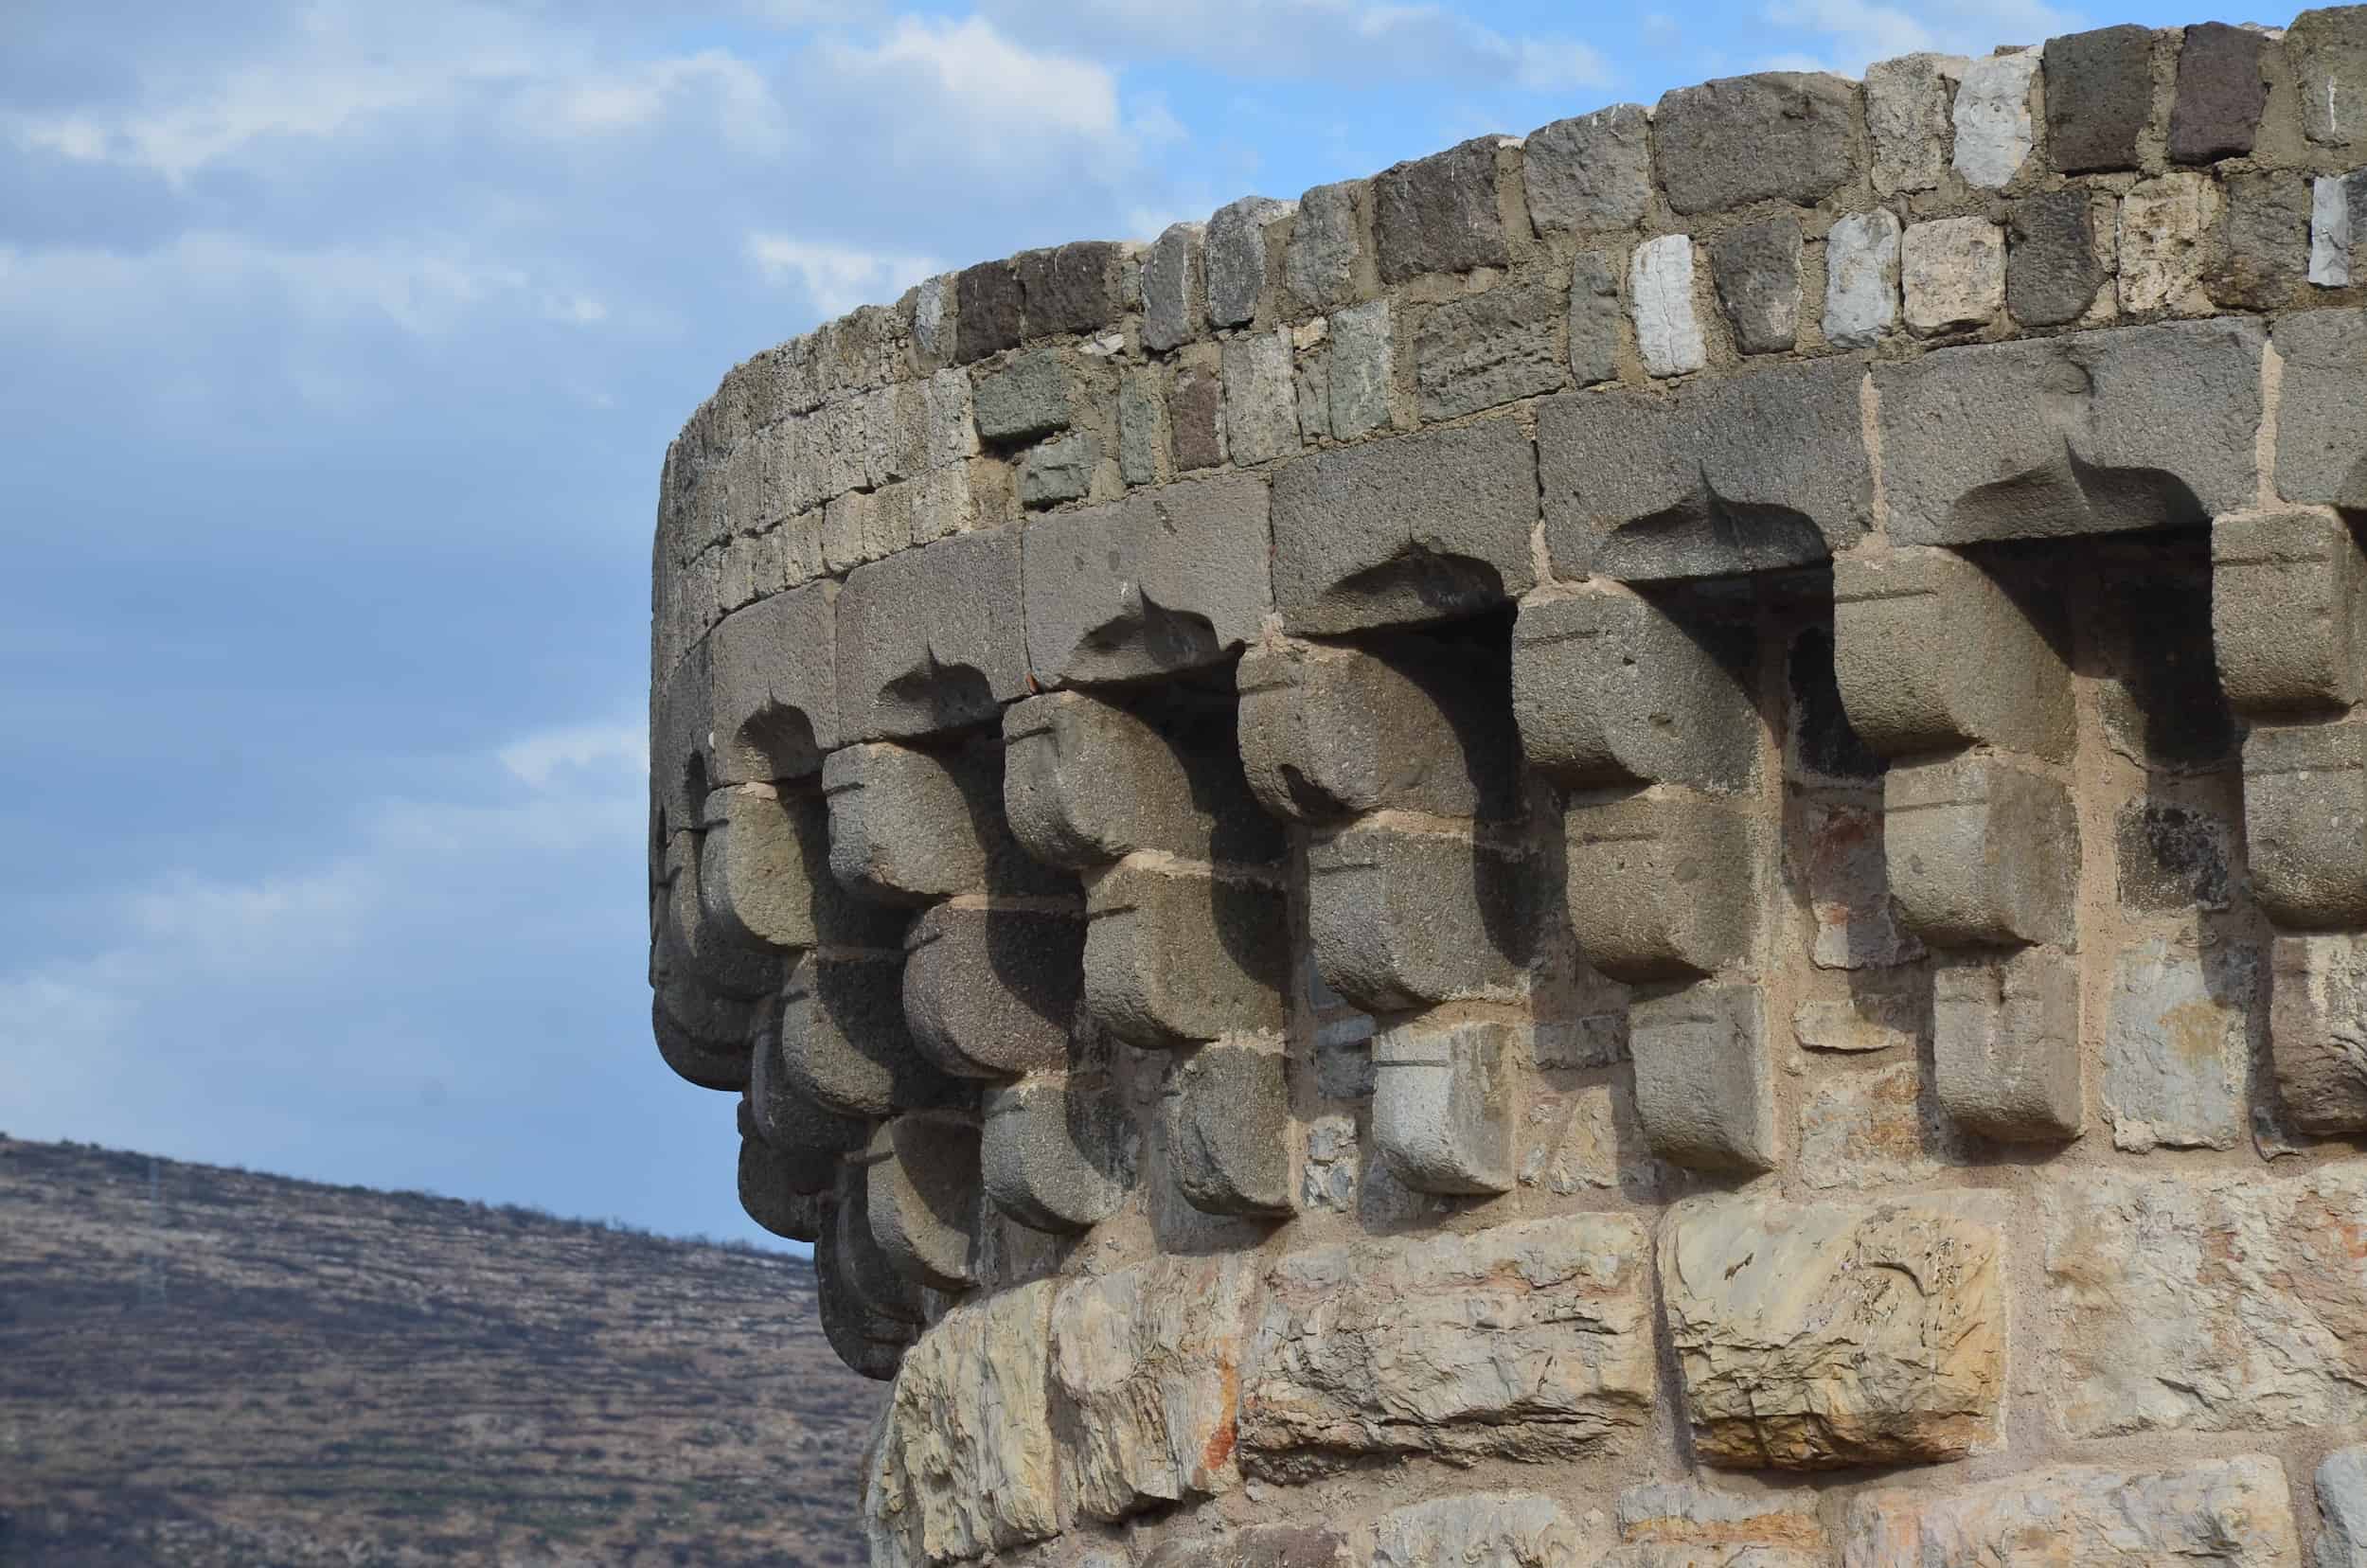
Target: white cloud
[
  {"x": 1858, "y": 32},
  {"x": 540, "y": 758},
  {"x": 836, "y": 278},
  {"x": 967, "y": 73}
]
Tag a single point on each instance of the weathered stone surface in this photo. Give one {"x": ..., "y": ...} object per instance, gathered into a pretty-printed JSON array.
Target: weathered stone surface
[
  {"x": 1362, "y": 368},
  {"x": 1070, "y": 288},
  {"x": 1660, "y": 298},
  {"x": 1530, "y": 1340},
  {"x": 1835, "y": 848},
  {"x": 2056, "y": 263},
  {"x": 2171, "y": 858},
  {"x": 1994, "y": 127},
  {"x": 764, "y": 876},
  {"x": 1086, "y": 782},
  {"x": 1872, "y": 1129},
  {"x": 2331, "y": 199},
  {"x": 966, "y": 1461},
  {"x": 1872, "y": 1023},
  {"x": 682, "y": 717},
  {"x": 1142, "y": 441},
  {"x": 1439, "y": 213},
  {"x": 1499, "y": 1529},
  {"x": 1686, "y": 1525},
  {"x": 843, "y": 1040},
  {"x": 2321, "y": 419},
  {"x": 1705, "y": 1086},
  {"x": 1227, "y": 1123},
  {"x": 1235, "y": 245},
  {"x": 2317, "y": 1031},
  {"x": 1261, "y": 420},
  {"x": 1594, "y": 319},
  {"x": 1487, "y": 348},
  {"x": 808, "y": 1138},
  {"x": 1783, "y": 134},
  {"x": 1862, "y": 278},
  {"x": 988, "y": 309},
  {"x": 1056, "y": 1151},
  {"x": 699, "y": 944},
  {"x": 870, "y": 1275},
  {"x": 2206, "y": 1302},
  {"x": 2166, "y": 225},
  {"x": 869, "y": 1341},
  {"x": 1612, "y": 689},
  {"x": 1401, "y": 919},
  {"x": 702, "y": 1037},
  {"x": 1175, "y": 288},
  {"x": 2261, "y": 251},
  {"x": 2306, "y": 823},
  {"x": 2222, "y": 88},
  {"x": 1756, "y": 269},
  {"x": 921, "y": 1176},
  {"x": 2232, "y": 1511},
  {"x": 1981, "y": 852},
  {"x": 910, "y": 825},
  {"x": 774, "y": 688},
  {"x": 1953, "y": 272},
  {"x": 990, "y": 992},
  {"x": 1442, "y": 1104},
  {"x": 767, "y": 1196},
  {"x": 2005, "y": 1044},
  {"x": 1741, "y": 474},
  {"x": 2341, "y": 1487},
  {"x": 934, "y": 312},
  {"x": 2328, "y": 47},
  {"x": 1257, "y": 1546},
  {"x": 2177, "y": 1056},
  {"x": 1060, "y": 469},
  {"x": 1660, "y": 884},
  {"x": 1590, "y": 173},
  {"x": 1175, "y": 956},
  {"x": 1419, "y": 528},
  {"x": 2288, "y": 611},
  {"x": 1326, "y": 261},
  {"x": 1570, "y": 1143},
  {"x": 930, "y": 639},
  {"x": 1034, "y": 394},
  {"x": 1820, "y": 1336},
  {"x": 2099, "y": 96},
  {"x": 2136, "y": 427},
  {"x": 1932, "y": 653},
  {"x": 1906, "y": 113}
]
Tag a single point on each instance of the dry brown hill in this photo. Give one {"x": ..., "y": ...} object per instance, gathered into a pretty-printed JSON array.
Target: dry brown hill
[{"x": 249, "y": 1370}]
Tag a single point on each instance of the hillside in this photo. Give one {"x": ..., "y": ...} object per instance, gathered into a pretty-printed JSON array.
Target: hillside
[{"x": 249, "y": 1370}]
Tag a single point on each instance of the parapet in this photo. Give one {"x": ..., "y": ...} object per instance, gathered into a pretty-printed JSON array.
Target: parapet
[{"x": 1644, "y": 845}]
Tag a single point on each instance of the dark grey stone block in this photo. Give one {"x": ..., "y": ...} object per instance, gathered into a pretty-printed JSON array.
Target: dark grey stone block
[
  {"x": 1443, "y": 1104},
  {"x": 1439, "y": 213},
  {"x": 1610, "y": 688},
  {"x": 989, "y": 310},
  {"x": 2099, "y": 94},
  {"x": 1326, "y": 260},
  {"x": 991, "y": 992},
  {"x": 2306, "y": 823},
  {"x": 1704, "y": 1084},
  {"x": 1595, "y": 316},
  {"x": 767, "y": 1197},
  {"x": 1070, "y": 288},
  {"x": 1237, "y": 258},
  {"x": 845, "y": 1045},
  {"x": 1489, "y": 349},
  {"x": 2328, "y": 47},
  {"x": 1400, "y": 920},
  {"x": 1756, "y": 268},
  {"x": 1175, "y": 287},
  {"x": 2321, "y": 416},
  {"x": 775, "y": 678},
  {"x": 1659, "y": 885},
  {"x": 1784, "y": 135},
  {"x": 1982, "y": 853},
  {"x": 1227, "y": 1117},
  {"x": 1175, "y": 954},
  {"x": 2288, "y": 612},
  {"x": 2052, "y": 262},
  {"x": 922, "y": 1194},
  {"x": 932, "y": 639},
  {"x": 2222, "y": 87},
  {"x": 1195, "y": 412},
  {"x": 1592, "y": 173},
  {"x": 2261, "y": 258},
  {"x": 1034, "y": 394},
  {"x": 2005, "y": 1044}
]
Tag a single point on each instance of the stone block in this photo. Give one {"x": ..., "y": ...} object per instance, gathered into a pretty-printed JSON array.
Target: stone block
[
  {"x": 2288, "y": 612},
  {"x": 1226, "y": 1117},
  {"x": 2233, "y": 1512},
  {"x": 2222, "y": 87},
  {"x": 1982, "y": 853},
  {"x": 1056, "y": 1151},
  {"x": 1422, "y": 528},
  {"x": 2176, "y": 1053},
  {"x": 1906, "y": 115},
  {"x": 1175, "y": 956},
  {"x": 932, "y": 639},
  {"x": 681, "y": 716},
  {"x": 1661, "y": 885},
  {"x": 1235, "y": 258},
  {"x": 1994, "y": 126},
  {"x": 1143, "y": 443},
  {"x": 1867, "y": 1130},
  {"x": 2170, "y": 858},
  {"x": 764, "y": 878},
  {"x": 2208, "y": 1301},
  {"x": 2317, "y": 1031},
  {"x": 1324, "y": 263},
  {"x": 1086, "y": 782},
  {"x": 1781, "y": 134},
  {"x": 1035, "y": 395},
  {"x": 2328, "y": 47},
  {"x": 2136, "y": 427},
  {"x": 910, "y": 826},
  {"x": 991, "y": 992},
  {"x": 2321, "y": 416},
  {"x": 1756, "y": 269},
  {"x": 1686, "y": 1525},
  {"x": 1400, "y": 920},
  {"x": 2099, "y": 97},
  {"x": 2257, "y": 252},
  {"x": 845, "y": 1045},
  {"x": 1529, "y": 1341},
  {"x": 1058, "y": 470},
  {"x": 1175, "y": 287},
  {"x": 934, "y": 312},
  {"x": 1507, "y": 1528},
  {"x": 1487, "y": 349},
  {"x": 1146, "y": 1368},
  {"x": 1261, "y": 414},
  {"x": 2331, "y": 199},
  {"x": 871, "y": 1342},
  {"x": 1953, "y": 272},
  {"x": 806, "y": 1139},
  {"x": 1931, "y": 654},
  {"x": 1592, "y": 173},
  {"x": 1442, "y": 1104},
  {"x": 2005, "y": 1044},
  {"x": 1704, "y": 1082},
  {"x": 870, "y": 1275},
  {"x": 966, "y": 1461},
  {"x": 702, "y": 1037},
  {"x": 1072, "y": 287},
  {"x": 921, "y": 1189},
  {"x": 1862, "y": 278},
  {"x": 1826, "y": 1336},
  {"x": 700, "y": 944},
  {"x": 1614, "y": 688},
  {"x": 1439, "y": 214},
  {"x": 1873, "y": 1023},
  {"x": 1595, "y": 318},
  {"x": 2166, "y": 228},
  {"x": 1363, "y": 369},
  {"x": 989, "y": 310},
  {"x": 1737, "y": 474},
  {"x": 1196, "y": 415},
  {"x": 1257, "y": 1546},
  {"x": 1835, "y": 848},
  {"x": 2057, "y": 259},
  {"x": 2306, "y": 823},
  {"x": 1660, "y": 300},
  {"x": 767, "y": 1197},
  {"x": 2342, "y": 1488}
]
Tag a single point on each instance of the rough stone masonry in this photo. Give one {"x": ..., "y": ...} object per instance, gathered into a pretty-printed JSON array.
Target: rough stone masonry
[{"x": 1642, "y": 845}]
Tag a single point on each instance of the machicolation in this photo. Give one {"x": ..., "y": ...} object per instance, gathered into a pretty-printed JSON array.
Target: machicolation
[{"x": 1642, "y": 847}]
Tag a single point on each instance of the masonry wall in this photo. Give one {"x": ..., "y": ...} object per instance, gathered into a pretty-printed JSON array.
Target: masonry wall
[{"x": 1646, "y": 845}]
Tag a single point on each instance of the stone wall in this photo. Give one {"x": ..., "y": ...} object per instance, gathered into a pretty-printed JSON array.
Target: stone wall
[{"x": 1648, "y": 845}]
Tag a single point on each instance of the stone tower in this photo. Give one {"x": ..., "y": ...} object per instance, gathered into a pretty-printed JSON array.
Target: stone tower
[{"x": 1642, "y": 846}]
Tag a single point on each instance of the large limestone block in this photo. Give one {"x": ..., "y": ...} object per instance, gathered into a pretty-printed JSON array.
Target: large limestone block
[
  {"x": 2177, "y": 1044},
  {"x": 2223, "y": 1302},
  {"x": 2134, "y": 427},
  {"x": 2236, "y": 1512},
  {"x": 932, "y": 639},
  {"x": 1147, "y": 1362},
  {"x": 1496, "y": 1530},
  {"x": 1686, "y": 1525},
  {"x": 1821, "y": 1336},
  {"x": 966, "y": 1461},
  {"x": 1614, "y": 688},
  {"x": 775, "y": 673},
  {"x": 1530, "y": 1340},
  {"x": 1732, "y": 475},
  {"x": 1932, "y": 653}
]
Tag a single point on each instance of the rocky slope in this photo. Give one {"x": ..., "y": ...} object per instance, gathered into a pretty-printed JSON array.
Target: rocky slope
[{"x": 243, "y": 1369}]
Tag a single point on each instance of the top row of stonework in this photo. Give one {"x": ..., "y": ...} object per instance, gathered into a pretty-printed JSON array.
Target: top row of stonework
[{"x": 1936, "y": 132}]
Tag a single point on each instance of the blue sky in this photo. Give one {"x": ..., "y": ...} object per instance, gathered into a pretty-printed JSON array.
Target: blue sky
[{"x": 344, "y": 342}]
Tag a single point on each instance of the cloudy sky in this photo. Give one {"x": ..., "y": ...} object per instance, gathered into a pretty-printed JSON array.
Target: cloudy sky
[{"x": 343, "y": 342}]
